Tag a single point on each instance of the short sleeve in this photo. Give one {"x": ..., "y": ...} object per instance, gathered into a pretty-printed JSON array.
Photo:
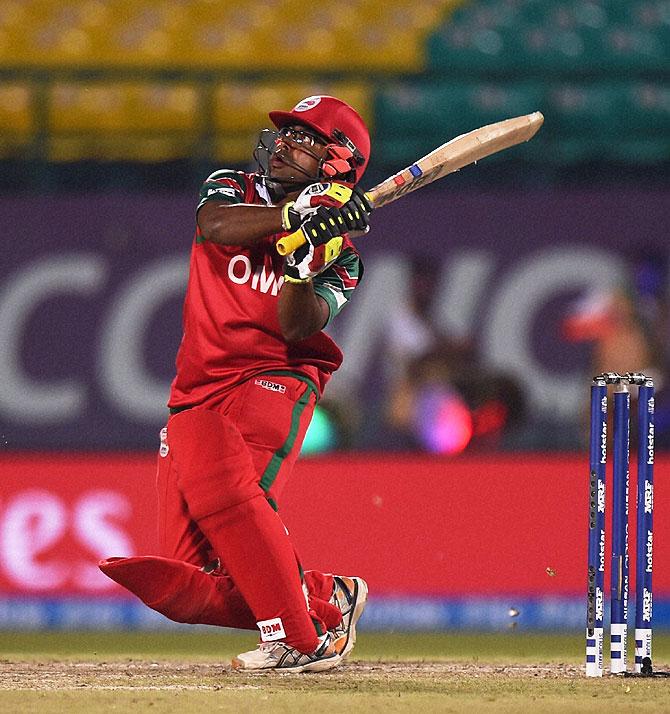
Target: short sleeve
[
  {"x": 337, "y": 283},
  {"x": 223, "y": 186}
]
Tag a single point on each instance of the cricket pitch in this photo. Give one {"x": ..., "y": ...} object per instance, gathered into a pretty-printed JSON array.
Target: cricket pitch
[{"x": 387, "y": 673}]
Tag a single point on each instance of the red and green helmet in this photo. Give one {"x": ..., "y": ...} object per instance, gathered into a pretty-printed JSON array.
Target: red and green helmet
[{"x": 340, "y": 124}]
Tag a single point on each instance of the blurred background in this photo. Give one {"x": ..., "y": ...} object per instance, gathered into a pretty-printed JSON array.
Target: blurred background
[{"x": 490, "y": 299}]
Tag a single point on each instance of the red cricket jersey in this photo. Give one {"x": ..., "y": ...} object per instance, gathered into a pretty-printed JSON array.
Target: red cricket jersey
[{"x": 231, "y": 326}]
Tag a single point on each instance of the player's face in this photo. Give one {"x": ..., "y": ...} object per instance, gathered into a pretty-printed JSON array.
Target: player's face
[{"x": 297, "y": 153}]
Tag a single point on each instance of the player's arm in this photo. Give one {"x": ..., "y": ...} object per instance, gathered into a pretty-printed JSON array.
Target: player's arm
[
  {"x": 330, "y": 291},
  {"x": 238, "y": 224},
  {"x": 302, "y": 313},
  {"x": 224, "y": 218},
  {"x": 318, "y": 278}
]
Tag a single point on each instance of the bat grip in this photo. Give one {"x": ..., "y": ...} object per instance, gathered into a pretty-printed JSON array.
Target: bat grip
[
  {"x": 289, "y": 243},
  {"x": 293, "y": 241}
]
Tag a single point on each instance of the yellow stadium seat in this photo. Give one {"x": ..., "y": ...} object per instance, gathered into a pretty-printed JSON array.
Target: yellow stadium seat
[
  {"x": 16, "y": 114},
  {"x": 230, "y": 149},
  {"x": 133, "y": 120},
  {"x": 143, "y": 34},
  {"x": 13, "y": 15},
  {"x": 243, "y": 107},
  {"x": 123, "y": 106},
  {"x": 215, "y": 44},
  {"x": 17, "y": 124},
  {"x": 392, "y": 50},
  {"x": 244, "y": 35},
  {"x": 96, "y": 33},
  {"x": 51, "y": 35},
  {"x": 226, "y": 35}
]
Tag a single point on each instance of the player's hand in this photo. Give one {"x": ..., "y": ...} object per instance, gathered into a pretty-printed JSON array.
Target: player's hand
[
  {"x": 356, "y": 212},
  {"x": 323, "y": 231},
  {"x": 330, "y": 195}
]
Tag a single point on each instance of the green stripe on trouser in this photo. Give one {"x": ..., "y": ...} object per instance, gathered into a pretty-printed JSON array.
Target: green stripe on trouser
[{"x": 272, "y": 469}]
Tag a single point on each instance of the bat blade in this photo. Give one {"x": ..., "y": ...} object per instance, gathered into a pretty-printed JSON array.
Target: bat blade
[
  {"x": 452, "y": 156},
  {"x": 455, "y": 154}
]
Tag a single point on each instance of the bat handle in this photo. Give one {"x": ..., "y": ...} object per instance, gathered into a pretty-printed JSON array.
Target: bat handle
[{"x": 289, "y": 243}]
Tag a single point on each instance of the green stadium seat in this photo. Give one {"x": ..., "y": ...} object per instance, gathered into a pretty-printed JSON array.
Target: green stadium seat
[
  {"x": 628, "y": 122},
  {"x": 400, "y": 150},
  {"x": 611, "y": 109},
  {"x": 646, "y": 108},
  {"x": 454, "y": 50},
  {"x": 411, "y": 121},
  {"x": 641, "y": 151},
  {"x": 553, "y": 51},
  {"x": 581, "y": 109},
  {"x": 523, "y": 51},
  {"x": 626, "y": 50},
  {"x": 533, "y": 37},
  {"x": 446, "y": 110}
]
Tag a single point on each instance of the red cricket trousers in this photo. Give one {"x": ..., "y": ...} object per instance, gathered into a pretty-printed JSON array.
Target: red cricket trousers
[{"x": 221, "y": 470}]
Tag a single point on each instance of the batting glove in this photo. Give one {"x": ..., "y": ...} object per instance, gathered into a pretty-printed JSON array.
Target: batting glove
[
  {"x": 356, "y": 212},
  {"x": 330, "y": 195},
  {"x": 323, "y": 231}
]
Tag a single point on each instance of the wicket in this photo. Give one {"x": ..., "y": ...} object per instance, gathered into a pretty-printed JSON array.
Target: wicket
[{"x": 619, "y": 573}]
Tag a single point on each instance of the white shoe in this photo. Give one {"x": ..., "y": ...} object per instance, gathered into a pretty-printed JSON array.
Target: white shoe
[
  {"x": 283, "y": 657},
  {"x": 350, "y": 595}
]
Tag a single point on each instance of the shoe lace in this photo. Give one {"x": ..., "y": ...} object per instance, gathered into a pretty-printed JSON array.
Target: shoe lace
[{"x": 268, "y": 646}]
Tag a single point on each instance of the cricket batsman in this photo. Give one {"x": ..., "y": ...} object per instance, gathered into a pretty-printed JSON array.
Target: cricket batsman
[{"x": 251, "y": 366}]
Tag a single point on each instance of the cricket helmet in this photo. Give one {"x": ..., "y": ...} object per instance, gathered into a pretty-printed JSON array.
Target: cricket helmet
[{"x": 340, "y": 124}]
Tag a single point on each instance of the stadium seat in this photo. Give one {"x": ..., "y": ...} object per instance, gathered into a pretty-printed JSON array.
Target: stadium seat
[
  {"x": 456, "y": 49},
  {"x": 245, "y": 35},
  {"x": 545, "y": 38},
  {"x": 155, "y": 79},
  {"x": 242, "y": 106},
  {"x": 612, "y": 109},
  {"x": 586, "y": 121},
  {"x": 620, "y": 121},
  {"x": 414, "y": 120},
  {"x": 17, "y": 123},
  {"x": 446, "y": 110},
  {"x": 647, "y": 108},
  {"x": 628, "y": 49},
  {"x": 636, "y": 151},
  {"x": 522, "y": 50},
  {"x": 593, "y": 109},
  {"x": 126, "y": 120},
  {"x": 224, "y": 35},
  {"x": 53, "y": 35}
]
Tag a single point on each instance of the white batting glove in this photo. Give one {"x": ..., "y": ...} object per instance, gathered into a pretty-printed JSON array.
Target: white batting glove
[
  {"x": 329, "y": 195},
  {"x": 323, "y": 232}
]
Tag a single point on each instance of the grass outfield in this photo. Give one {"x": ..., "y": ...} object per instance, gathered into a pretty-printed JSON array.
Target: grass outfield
[{"x": 187, "y": 671}]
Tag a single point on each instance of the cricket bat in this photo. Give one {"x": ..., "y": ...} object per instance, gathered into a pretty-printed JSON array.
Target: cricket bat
[{"x": 447, "y": 158}]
